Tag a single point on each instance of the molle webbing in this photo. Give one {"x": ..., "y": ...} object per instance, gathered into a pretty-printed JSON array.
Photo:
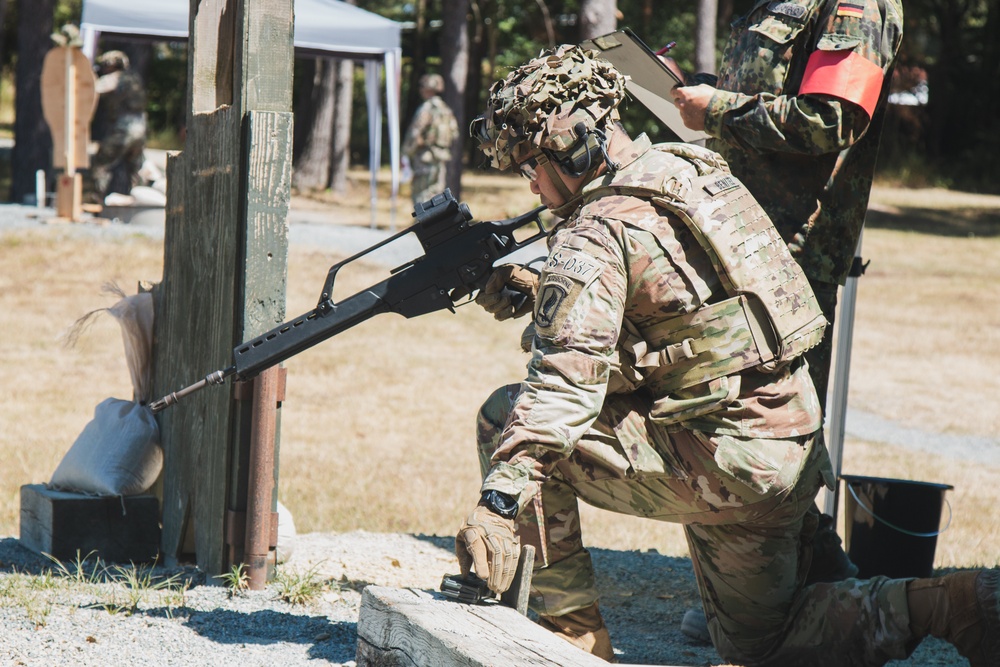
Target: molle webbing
[
  {"x": 772, "y": 315},
  {"x": 752, "y": 259},
  {"x": 715, "y": 341}
]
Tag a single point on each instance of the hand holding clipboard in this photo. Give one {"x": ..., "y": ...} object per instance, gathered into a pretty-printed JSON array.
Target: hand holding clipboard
[{"x": 650, "y": 79}]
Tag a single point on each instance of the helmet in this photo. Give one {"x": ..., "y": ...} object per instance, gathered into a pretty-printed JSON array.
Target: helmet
[
  {"x": 113, "y": 60},
  {"x": 433, "y": 82},
  {"x": 558, "y": 103}
]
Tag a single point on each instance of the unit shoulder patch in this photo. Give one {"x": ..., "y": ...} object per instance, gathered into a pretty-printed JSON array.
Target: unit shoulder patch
[
  {"x": 553, "y": 306},
  {"x": 566, "y": 273}
]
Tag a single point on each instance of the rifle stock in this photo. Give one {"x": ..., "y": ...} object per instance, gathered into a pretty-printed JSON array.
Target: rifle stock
[{"x": 458, "y": 256}]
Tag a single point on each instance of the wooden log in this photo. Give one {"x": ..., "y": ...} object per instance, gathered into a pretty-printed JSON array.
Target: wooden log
[{"x": 414, "y": 628}]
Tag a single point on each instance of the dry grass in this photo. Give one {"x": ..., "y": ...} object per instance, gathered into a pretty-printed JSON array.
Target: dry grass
[{"x": 378, "y": 425}]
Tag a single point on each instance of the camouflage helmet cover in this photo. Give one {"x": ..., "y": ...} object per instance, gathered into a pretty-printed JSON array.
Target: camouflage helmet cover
[
  {"x": 434, "y": 82},
  {"x": 539, "y": 105},
  {"x": 113, "y": 60}
]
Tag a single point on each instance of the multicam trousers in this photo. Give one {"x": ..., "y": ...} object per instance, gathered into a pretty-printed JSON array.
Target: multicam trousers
[
  {"x": 428, "y": 180},
  {"x": 123, "y": 145},
  {"x": 743, "y": 503}
]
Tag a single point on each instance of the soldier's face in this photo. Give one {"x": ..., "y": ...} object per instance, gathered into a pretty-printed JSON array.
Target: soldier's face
[{"x": 541, "y": 183}]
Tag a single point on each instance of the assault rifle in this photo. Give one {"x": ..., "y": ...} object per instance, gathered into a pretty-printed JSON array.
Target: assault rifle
[{"x": 458, "y": 259}]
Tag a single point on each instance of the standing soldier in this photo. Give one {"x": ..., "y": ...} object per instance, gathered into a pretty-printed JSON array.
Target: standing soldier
[
  {"x": 123, "y": 101},
  {"x": 429, "y": 140},
  {"x": 797, "y": 112}
]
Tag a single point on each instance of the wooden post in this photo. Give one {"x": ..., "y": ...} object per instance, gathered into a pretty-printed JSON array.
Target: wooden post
[
  {"x": 69, "y": 98},
  {"x": 225, "y": 255}
]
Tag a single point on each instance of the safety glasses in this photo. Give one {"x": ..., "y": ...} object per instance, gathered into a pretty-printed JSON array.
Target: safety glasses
[{"x": 529, "y": 168}]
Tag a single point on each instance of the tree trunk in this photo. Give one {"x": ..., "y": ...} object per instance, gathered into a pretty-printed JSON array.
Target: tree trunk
[
  {"x": 455, "y": 66},
  {"x": 725, "y": 16},
  {"x": 550, "y": 31},
  {"x": 32, "y": 140},
  {"x": 597, "y": 17},
  {"x": 942, "y": 79},
  {"x": 3, "y": 22},
  {"x": 340, "y": 151},
  {"x": 417, "y": 68},
  {"x": 704, "y": 54},
  {"x": 312, "y": 168},
  {"x": 478, "y": 52},
  {"x": 305, "y": 82}
]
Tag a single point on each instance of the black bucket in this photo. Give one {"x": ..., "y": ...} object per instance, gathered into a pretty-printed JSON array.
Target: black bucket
[{"x": 891, "y": 525}]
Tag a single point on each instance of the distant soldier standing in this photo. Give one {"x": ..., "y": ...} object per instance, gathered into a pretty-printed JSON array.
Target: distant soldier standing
[
  {"x": 429, "y": 140},
  {"x": 123, "y": 100}
]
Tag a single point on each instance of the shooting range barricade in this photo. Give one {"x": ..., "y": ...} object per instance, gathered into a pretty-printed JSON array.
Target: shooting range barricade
[{"x": 416, "y": 628}]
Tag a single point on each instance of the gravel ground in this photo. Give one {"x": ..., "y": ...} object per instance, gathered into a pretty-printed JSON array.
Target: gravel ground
[
  {"x": 53, "y": 620},
  {"x": 48, "y": 619}
]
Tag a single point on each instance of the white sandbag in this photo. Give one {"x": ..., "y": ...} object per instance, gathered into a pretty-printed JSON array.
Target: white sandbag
[
  {"x": 286, "y": 535},
  {"x": 117, "y": 454}
]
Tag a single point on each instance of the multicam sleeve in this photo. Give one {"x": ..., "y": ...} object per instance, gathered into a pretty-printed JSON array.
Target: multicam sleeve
[
  {"x": 853, "y": 52},
  {"x": 577, "y": 319},
  {"x": 415, "y": 133}
]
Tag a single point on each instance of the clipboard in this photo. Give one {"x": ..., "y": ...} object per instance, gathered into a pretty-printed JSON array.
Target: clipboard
[{"x": 649, "y": 79}]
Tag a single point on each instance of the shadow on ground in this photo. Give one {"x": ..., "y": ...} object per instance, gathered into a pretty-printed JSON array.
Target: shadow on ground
[{"x": 956, "y": 222}]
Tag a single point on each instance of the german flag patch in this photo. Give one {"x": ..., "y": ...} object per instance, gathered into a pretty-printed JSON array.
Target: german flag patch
[{"x": 855, "y": 9}]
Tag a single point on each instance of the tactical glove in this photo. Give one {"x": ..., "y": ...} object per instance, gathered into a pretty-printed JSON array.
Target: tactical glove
[
  {"x": 486, "y": 542},
  {"x": 510, "y": 292}
]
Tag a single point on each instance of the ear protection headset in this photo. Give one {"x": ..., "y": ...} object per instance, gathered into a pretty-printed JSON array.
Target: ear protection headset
[{"x": 581, "y": 158}]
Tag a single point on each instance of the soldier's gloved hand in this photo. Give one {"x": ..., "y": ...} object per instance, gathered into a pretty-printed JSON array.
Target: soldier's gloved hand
[
  {"x": 510, "y": 292},
  {"x": 487, "y": 543}
]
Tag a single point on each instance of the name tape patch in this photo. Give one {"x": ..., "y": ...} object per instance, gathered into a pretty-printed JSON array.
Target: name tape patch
[
  {"x": 721, "y": 185},
  {"x": 575, "y": 265},
  {"x": 789, "y": 9}
]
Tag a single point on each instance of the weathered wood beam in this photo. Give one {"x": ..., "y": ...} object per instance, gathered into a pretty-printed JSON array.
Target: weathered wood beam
[
  {"x": 414, "y": 628},
  {"x": 225, "y": 251}
]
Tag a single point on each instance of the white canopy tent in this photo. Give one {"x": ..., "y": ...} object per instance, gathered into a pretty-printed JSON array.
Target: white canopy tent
[{"x": 322, "y": 27}]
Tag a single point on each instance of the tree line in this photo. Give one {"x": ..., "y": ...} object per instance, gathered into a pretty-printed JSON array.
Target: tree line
[{"x": 949, "y": 50}]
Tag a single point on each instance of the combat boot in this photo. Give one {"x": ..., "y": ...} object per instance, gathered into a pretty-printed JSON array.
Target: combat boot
[
  {"x": 584, "y": 628},
  {"x": 963, "y": 609}
]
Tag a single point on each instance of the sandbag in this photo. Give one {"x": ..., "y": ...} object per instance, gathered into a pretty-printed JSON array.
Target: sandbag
[{"x": 117, "y": 453}]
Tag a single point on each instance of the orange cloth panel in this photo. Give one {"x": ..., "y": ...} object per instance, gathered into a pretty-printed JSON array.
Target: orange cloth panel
[{"x": 843, "y": 74}]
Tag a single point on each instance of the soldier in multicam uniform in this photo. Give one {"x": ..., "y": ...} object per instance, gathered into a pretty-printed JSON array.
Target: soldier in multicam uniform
[
  {"x": 797, "y": 112},
  {"x": 123, "y": 100},
  {"x": 666, "y": 381},
  {"x": 429, "y": 140}
]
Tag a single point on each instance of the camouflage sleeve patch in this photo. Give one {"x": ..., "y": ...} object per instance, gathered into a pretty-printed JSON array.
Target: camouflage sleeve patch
[{"x": 565, "y": 275}]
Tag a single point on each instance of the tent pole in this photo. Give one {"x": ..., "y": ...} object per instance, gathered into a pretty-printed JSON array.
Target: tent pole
[
  {"x": 374, "y": 129},
  {"x": 392, "y": 76},
  {"x": 837, "y": 417}
]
